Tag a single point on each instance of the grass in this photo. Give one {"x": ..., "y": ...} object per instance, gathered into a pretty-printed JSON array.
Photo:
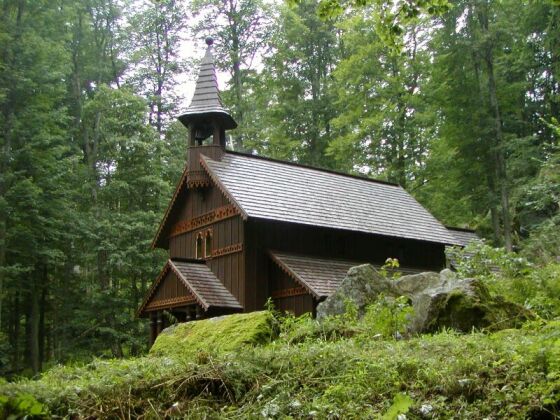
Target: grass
[
  {"x": 250, "y": 366},
  {"x": 310, "y": 372}
]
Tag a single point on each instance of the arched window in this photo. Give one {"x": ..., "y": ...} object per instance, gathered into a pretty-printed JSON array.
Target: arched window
[
  {"x": 208, "y": 244},
  {"x": 199, "y": 247}
]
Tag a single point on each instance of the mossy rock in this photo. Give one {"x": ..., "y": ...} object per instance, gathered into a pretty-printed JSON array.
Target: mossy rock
[
  {"x": 462, "y": 312},
  {"x": 440, "y": 300},
  {"x": 215, "y": 335}
]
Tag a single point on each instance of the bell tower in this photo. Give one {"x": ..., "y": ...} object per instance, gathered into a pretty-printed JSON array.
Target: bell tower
[{"x": 207, "y": 121}]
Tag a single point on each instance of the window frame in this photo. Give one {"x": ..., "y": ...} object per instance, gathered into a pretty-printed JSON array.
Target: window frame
[
  {"x": 199, "y": 246},
  {"x": 208, "y": 239}
]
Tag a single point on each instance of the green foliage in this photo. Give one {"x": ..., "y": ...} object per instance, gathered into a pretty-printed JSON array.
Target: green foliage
[
  {"x": 392, "y": 17},
  {"x": 478, "y": 259},
  {"x": 512, "y": 277},
  {"x": 391, "y": 265},
  {"x": 292, "y": 96},
  {"x": 154, "y": 33},
  {"x": 388, "y": 316},
  {"x": 22, "y": 406},
  {"x": 539, "y": 205},
  {"x": 401, "y": 405},
  {"x": 383, "y": 125}
]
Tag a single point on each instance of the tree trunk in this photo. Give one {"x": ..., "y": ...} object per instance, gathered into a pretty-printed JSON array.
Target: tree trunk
[
  {"x": 33, "y": 323},
  {"x": 237, "y": 76},
  {"x": 498, "y": 152},
  {"x": 42, "y": 310},
  {"x": 15, "y": 333},
  {"x": 398, "y": 164},
  {"x": 494, "y": 216}
]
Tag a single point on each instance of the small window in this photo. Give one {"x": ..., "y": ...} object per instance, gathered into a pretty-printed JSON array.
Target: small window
[
  {"x": 199, "y": 247},
  {"x": 208, "y": 244}
]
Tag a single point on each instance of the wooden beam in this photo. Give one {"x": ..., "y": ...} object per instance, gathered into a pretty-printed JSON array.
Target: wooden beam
[
  {"x": 171, "y": 302},
  {"x": 294, "y": 291},
  {"x": 221, "y": 213},
  {"x": 226, "y": 250}
]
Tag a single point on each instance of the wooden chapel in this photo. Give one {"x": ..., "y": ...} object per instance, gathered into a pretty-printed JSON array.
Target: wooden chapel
[{"x": 242, "y": 228}]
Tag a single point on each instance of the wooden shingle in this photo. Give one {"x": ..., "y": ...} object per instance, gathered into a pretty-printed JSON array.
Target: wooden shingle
[
  {"x": 274, "y": 190},
  {"x": 320, "y": 276}
]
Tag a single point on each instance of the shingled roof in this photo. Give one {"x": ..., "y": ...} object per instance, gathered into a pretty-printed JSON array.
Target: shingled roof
[
  {"x": 206, "y": 101},
  {"x": 463, "y": 236},
  {"x": 320, "y": 276},
  {"x": 200, "y": 281},
  {"x": 274, "y": 190},
  {"x": 204, "y": 285}
]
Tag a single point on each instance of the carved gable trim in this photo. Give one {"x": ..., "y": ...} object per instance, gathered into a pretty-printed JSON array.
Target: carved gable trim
[
  {"x": 221, "y": 213},
  {"x": 294, "y": 291}
]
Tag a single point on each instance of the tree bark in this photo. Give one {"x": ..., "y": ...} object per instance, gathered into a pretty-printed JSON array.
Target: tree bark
[
  {"x": 236, "y": 69},
  {"x": 498, "y": 149},
  {"x": 42, "y": 311},
  {"x": 14, "y": 338},
  {"x": 33, "y": 321},
  {"x": 494, "y": 214}
]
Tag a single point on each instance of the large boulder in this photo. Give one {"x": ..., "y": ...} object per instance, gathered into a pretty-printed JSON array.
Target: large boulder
[
  {"x": 217, "y": 335},
  {"x": 361, "y": 286},
  {"x": 439, "y": 300}
]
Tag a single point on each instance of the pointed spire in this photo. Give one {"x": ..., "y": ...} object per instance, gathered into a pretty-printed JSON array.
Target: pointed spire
[{"x": 206, "y": 103}]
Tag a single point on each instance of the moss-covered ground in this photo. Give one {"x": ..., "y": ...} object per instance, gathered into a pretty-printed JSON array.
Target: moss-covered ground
[{"x": 341, "y": 369}]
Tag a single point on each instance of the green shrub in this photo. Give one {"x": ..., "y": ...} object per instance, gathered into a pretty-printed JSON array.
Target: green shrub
[
  {"x": 509, "y": 374},
  {"x": 388, "y": 316},
  {"x": 21, "y": 406},
  {"x": 512, "y": 277}
]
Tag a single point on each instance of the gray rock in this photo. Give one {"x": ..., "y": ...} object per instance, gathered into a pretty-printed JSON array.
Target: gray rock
[
  {"x": 439, "y": 300},
  {"x": 415, "y": 283},
  {"x": 361, "y": 286}
]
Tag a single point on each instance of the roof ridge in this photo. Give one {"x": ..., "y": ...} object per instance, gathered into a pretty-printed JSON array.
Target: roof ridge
[{"x": 316, "y": 168}]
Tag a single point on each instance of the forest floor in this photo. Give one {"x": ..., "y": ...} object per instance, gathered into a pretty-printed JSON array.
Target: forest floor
[{"x": 300, "y": 368}]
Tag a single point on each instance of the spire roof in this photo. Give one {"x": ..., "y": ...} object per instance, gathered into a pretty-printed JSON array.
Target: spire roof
[{"x": 206, "y": 103}]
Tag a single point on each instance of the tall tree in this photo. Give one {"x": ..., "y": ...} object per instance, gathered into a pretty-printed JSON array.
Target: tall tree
[
  {"x": 491, "y": 84},
  {"x": 156, "y": 30},
  {"x": 292, "y": 95},
  {"x": 34, "y": 177},
  {"x": 383, "y": 123}
]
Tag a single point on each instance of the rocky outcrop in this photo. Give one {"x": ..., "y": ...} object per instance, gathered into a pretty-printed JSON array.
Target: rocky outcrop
[{"x": 440, "y": 300}]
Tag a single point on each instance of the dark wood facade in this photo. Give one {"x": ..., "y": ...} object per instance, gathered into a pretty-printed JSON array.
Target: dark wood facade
[
  {"x": 287, "y": 295},
  {"x": 239, "y": 257},
  {"x": 264, "y": 235}
]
